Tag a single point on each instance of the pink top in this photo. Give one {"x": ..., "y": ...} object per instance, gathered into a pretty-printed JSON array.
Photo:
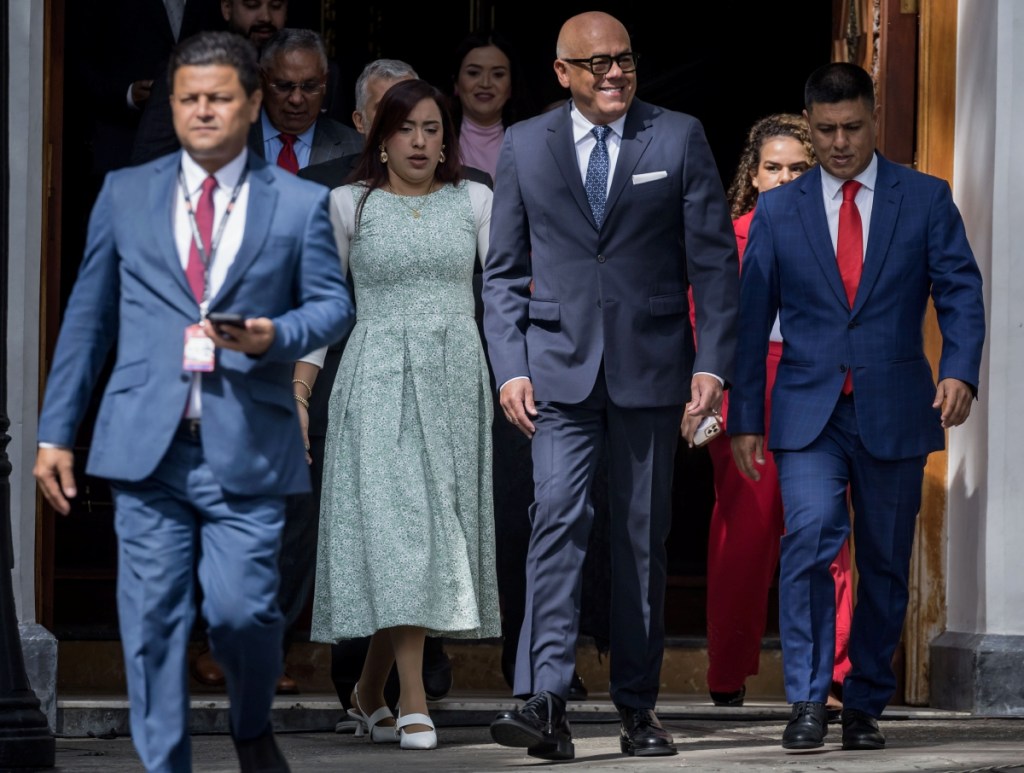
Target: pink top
[{"x": 479, "y": 145}]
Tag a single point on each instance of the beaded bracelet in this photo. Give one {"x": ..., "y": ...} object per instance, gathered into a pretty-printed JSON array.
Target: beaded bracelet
[
  {"x": 302, "y": 400},
  {"x": 308, "y": 387}
]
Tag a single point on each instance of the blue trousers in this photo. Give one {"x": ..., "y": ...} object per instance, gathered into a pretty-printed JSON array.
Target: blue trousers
[
  {"x": 164, "y": 525},
  {"x": 640, "y": 445},
  {"x": 886, "y": 496}
]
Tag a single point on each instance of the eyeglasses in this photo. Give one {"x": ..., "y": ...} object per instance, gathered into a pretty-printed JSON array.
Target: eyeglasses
[
  {"x": 285, "y": 88},
  {"x": 602, "y": 63}
]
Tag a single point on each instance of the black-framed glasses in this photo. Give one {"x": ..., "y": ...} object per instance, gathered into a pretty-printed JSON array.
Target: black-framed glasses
[
  {"x": 602, "y": 63},
  {"x": 285, "y": 88}
]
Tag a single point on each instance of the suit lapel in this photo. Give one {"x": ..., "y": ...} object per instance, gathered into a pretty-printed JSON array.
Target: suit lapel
[
  {"x": 563, "y": 149},
  {"x": 163, "y": 196},
  {"x": 322, "y": 144},
  {"x": 262, "y": 201},
  {"x": 811, "y": 207},
  {"x": 635, "y": 139},
  {"x": 884, "y": 212}
]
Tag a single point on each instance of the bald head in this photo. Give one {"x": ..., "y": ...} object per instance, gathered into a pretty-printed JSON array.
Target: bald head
[
  {"x": 579, "y": 31},
  {"x": 601, "y": 98}
]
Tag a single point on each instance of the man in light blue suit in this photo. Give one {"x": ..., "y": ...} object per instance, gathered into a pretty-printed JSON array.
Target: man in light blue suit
[
  {"x": 197, "y": 431},
  {"x": 848, "y": 256},
  {"x": 604, "y": 212}
]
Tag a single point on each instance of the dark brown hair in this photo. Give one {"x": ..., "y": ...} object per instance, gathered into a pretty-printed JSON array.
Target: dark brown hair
[{"x": 742, "y": 193}]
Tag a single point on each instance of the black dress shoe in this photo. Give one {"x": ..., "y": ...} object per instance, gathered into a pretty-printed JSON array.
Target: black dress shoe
[
  {"x": 540, "y": 727},
  {"x": 807, "y": 726},
  {"x": 437, "y": 669},
  {"x": 860, "y": 731},
  {"x": 734, "y": 698},
  {"x": 577, "y": 690},
  {"x": 641, "y": 734},
  {"x": 260, "y": 755}
]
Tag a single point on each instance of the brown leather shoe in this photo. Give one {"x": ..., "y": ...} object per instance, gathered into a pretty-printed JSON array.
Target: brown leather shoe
[
  {"x": 286, "y": 685},
  {"x": 206, "y": 670}
]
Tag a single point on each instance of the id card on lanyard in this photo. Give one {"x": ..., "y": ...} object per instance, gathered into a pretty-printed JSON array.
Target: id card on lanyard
[{"x": 200, "y": 353}]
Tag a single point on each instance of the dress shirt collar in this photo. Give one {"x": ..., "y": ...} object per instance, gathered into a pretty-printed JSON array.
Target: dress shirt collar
[
  {"x": 227, "y": 176},
  {"x": 581, "y": 126},
  {"x": 832, "y": 185},
  {"x": 271, "y": 133}
]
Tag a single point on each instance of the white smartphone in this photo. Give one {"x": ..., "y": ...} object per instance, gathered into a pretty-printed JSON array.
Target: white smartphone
[{"x": 706, "y": 430}]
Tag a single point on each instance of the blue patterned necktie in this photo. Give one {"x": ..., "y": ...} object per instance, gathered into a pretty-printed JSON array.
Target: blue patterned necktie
[{"x": 597, "y": 174}]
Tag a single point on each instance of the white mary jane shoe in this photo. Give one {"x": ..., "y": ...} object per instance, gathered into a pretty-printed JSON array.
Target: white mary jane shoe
[
  {"x": 371, "y": 724},
  {"x": 425, "y": 739}
]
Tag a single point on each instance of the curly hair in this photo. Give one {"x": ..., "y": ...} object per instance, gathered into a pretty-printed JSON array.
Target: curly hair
[{"x": 742, "y": 193}]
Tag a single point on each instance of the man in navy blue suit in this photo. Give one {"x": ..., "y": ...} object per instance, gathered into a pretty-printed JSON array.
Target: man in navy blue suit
[
  {"x": 605, "y": 210},
  {"x": 197, "y": 431},
  {"x": 848, "y": 256}
]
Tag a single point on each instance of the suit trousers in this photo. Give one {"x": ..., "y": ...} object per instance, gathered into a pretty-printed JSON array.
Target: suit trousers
[
  {"x": 743, "y": 554},
  {"x": 886, "y": 497},
  {"x": 640, "y": 444},
  {"x": 165, "y": 524}
]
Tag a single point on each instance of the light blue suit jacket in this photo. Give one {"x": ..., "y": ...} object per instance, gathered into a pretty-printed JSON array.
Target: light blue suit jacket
[
  {"x": 131, "y": 289},
  {"x": 917, "y": 247},
  {"x": 617, "y": 294}
]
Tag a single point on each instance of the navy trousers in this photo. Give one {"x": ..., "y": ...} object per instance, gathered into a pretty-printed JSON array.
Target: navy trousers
[
  {"x": 640, "y": 444},
  {"x": 886, "y": 497},
  {"x": 165, "y": 524}
]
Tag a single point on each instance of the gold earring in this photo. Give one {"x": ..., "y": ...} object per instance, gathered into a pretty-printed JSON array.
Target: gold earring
[
  {"x": 440, "y": 156},
  {"x": 383, "y": 154}
]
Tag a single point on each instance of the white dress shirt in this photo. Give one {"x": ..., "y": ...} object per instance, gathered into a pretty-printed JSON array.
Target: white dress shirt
[{"x": 832, "y": 190}]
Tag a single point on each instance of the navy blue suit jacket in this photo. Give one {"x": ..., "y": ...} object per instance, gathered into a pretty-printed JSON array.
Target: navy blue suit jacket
[
  {"x": 131, "y": 289},
  {"x": 917, "y": 247},
  {"x": 615, "y": 294}
]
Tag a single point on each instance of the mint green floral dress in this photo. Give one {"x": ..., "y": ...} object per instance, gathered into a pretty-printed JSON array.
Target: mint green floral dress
[{"x": 407, "y": 518}]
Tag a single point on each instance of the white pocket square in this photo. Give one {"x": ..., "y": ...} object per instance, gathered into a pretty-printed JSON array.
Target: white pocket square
[{"x": 647, "y": 177}]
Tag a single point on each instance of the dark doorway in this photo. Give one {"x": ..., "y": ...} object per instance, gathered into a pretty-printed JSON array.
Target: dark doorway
[{"x": 728, "y": 63}]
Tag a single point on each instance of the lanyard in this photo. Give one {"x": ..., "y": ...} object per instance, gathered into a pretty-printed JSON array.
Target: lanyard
[{"x": 207, "y": 260}]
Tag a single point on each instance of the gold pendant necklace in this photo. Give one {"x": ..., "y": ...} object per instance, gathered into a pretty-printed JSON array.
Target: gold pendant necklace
[{"x": 417, "y": 212}]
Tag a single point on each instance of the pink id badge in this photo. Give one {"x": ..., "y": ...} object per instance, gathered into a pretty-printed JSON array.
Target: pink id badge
[{"x": 199, "y": 350}]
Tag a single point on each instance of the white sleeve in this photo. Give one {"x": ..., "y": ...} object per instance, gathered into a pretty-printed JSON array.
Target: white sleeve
[
  {"x": 480, "y": 197},
  {"x": 343, "y": 217}
]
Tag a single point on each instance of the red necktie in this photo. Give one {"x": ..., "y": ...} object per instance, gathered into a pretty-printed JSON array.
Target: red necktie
[
  {"x": 204, "y": 219},
  {"x": 287, "y": 159},
  {"x": 850, "y": 252}
]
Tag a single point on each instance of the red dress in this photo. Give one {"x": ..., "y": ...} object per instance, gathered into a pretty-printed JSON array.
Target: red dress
[{"x": 743, "y": 552}]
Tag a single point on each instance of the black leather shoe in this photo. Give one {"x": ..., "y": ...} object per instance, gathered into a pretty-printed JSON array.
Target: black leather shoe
[
  {"x": 577, "y": 690},
  {"x": 860, "y": 731},
  {"x": 437, "y": 669},
  {"x": 734, "y": 698},
  {"x": 807, "y": 726},
  {"x": 540, "y": 727},
  {"x": 641, "y": 734},
  {"x": 260, "y": 755}
]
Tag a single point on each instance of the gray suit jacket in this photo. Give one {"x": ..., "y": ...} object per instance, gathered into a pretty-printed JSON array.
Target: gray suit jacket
[{"x": 331, "y": 140}]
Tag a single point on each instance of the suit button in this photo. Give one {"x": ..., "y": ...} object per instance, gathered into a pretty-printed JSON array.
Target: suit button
[
  {"x": 842, "y": 369},
  {"x": 598, "y": 303},
  {"x": 184, "y": 377},
  {"x": 601, "y": 258},
  {"x": 851, "y": 326}
]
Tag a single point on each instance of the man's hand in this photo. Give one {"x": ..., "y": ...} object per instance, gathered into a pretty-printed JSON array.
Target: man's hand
[
  {"x": 54, "y": 472},
  {"x": 141, "y": 91},
  {"x": 954, "y": 398},
  {"x": 517, "y": 402},
  {"x": 255, "y": 338},
  {"x": 748, "y": 452},
  {"x": 705, "y": 400}
]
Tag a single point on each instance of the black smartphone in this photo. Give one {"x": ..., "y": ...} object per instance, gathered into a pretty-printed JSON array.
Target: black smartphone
[{"x": 226, "y": 318}]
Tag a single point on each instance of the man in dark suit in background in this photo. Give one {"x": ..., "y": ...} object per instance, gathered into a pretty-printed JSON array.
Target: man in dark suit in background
[
  {"x": 197, "y": 431},
  {"x": 847, "y": 256},
  {"x": 604, "y": 211},
  {"x": 292, "y": 131}
]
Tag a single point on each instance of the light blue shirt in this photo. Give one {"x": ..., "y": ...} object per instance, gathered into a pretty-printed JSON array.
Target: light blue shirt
[{"x": 272, "y": 142}]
